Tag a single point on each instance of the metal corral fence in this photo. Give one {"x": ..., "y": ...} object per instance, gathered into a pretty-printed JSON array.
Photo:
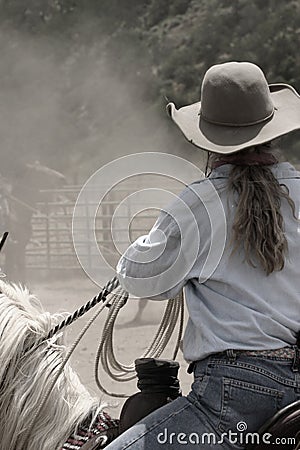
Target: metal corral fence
[{"x": 51, "y": 245}]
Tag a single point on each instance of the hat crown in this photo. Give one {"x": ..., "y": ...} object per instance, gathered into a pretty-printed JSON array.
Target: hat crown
[{"x": 235, "y": 94}]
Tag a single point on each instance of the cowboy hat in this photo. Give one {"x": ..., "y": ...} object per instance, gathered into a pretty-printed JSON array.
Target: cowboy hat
[{"x": 238, "y": 109}]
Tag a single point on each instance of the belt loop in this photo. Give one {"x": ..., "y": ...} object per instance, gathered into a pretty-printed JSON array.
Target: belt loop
[
  {"x": 231, "y": 355},
  {"x": 191, "y": 367},
  {"x": 296, "y": 360},
  {"x": 298, "y": 339}
]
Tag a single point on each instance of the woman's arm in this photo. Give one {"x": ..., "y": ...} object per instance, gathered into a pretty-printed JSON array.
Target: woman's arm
[{"x": 157, "y": 265}]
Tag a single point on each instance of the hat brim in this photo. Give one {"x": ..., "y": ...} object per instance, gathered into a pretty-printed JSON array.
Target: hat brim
[{"x": 230, "y": 139}]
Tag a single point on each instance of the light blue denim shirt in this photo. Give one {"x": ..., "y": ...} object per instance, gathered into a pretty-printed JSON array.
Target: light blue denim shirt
[{"x": 231, "y": 304}]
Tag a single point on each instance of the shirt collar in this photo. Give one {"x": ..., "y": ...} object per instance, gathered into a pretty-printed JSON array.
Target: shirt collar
[{"x": 280, "y": 170}]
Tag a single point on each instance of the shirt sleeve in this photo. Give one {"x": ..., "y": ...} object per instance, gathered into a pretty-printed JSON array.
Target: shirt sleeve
[{"x": 157, "y": 265}]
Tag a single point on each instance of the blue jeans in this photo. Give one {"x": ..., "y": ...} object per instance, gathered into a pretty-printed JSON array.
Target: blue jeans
[{"x": 232, "y": 396}]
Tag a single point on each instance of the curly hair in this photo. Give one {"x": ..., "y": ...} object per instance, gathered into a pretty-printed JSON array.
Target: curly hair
[{"x": 258, "y": 224}]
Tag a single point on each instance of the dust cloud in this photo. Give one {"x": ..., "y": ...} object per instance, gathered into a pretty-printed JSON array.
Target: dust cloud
[
  {"x": 72, "y": 111},
  {"x": 69, "y": 107}
]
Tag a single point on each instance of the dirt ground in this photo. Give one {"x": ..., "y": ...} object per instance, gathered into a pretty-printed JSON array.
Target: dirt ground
[{"x": 131, "y": 339}]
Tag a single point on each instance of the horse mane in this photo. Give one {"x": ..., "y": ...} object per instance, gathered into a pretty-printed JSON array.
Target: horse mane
[{"x": 25, "y": 376}]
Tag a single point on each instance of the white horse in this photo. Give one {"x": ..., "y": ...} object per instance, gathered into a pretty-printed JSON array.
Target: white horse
[{"x": 25, "y": 377}]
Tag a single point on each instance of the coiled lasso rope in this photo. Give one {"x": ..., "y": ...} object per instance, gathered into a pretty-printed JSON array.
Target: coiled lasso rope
[
  {"x": 113, "y": 296},
  {"x": 105, "y": 353}
]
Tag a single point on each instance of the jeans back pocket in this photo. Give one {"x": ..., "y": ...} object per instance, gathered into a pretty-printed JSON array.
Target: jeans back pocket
[{"x": 246, "y": 406}]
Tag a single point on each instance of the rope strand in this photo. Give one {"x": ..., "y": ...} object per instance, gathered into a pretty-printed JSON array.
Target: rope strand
[
  {"x": 26, "y": 439},
  {"x": 107, "y": 290},
  {"x": 105, "y": 353}
]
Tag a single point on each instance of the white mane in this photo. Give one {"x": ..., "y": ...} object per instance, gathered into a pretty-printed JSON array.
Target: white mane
[{"x": 26, "y": 376}]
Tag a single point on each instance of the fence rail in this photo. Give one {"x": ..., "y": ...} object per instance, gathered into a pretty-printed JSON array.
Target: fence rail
[{"x": 51, "y": 245}]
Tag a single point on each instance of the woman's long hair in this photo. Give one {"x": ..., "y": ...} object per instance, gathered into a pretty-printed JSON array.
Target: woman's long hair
[{"x": 258, "y": 225}]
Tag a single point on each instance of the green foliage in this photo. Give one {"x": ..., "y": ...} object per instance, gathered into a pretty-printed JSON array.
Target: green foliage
[
  {"x": 159, "y": 10},
  {"x": 213, "y": 31},
  {"x": 109, "y": 54}
]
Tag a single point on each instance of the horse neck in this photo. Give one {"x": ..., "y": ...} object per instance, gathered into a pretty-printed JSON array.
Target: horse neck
[
  {"x": 25, "y": 381},
  {"x": 66, "y": 407}
]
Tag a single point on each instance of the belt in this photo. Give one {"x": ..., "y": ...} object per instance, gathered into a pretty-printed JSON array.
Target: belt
[
  {"x": 285, "y": 352},
  {"x": 292, "y": 353}
]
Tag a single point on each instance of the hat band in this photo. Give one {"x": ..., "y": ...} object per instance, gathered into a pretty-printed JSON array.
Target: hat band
[{"x": 226, "y": 124}]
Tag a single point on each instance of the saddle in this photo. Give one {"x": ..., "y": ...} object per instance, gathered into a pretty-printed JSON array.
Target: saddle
[
  {"x": 103, "y": 432},
  {"x": 101, "y": 440},
  {"x": 158, "y": 384},
  {"x": 280, "y": 429}
]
